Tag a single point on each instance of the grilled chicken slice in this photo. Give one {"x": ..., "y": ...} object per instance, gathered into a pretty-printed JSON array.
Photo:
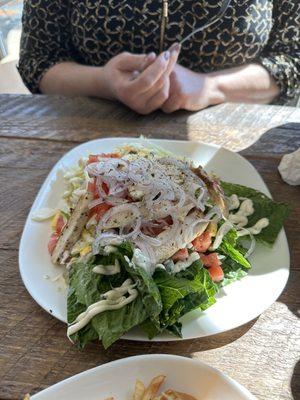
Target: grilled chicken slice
[
  {"x": 187, "y": 232},
  {"x": 214, "y": 189},
  {"x": 73, "y": 228},
  {"x": 159, "y": 211}
]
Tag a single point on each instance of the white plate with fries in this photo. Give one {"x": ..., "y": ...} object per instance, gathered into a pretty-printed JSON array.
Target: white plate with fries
[{"x": 147, "y": 377}]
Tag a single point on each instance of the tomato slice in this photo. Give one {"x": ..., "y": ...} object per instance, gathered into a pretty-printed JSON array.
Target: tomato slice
[
  {"x": 95, "y": 157},
  {"x": 216, "y": 273},
  {"x": 100, "y": 210},
  {"x": 60, "y": 223},
  {"x": 181, "y": 255},
  {"x": 210, "y": 259},
  {"x": 202, "y": 242},
  {"x": 52, "y": 242}
]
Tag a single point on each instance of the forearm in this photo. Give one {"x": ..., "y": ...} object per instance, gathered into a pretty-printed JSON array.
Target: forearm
[
  {"x": 250, "y": 83},
  {"x": 71, "y": 79}
]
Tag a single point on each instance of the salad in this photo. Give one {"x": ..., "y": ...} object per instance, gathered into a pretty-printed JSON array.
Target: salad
[{"x": 146, "y": 237}]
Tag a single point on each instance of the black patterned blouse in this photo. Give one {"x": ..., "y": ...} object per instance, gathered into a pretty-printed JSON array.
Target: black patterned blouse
[{"x": 90, "y": 32}]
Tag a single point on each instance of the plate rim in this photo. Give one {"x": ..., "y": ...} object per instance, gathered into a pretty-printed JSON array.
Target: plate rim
[{"x": 148, "y": 357}]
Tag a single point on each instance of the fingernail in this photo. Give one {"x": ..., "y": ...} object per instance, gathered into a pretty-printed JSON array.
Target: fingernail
[
  {"x": 150, "y": 55},
  {"x": 167, "y": 55},
  {"x": 177, "y": 47}
]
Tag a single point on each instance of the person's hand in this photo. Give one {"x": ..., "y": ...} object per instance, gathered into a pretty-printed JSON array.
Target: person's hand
[
  {"x": 139, "y": 81},
  {"x": 190, "y": 90}
]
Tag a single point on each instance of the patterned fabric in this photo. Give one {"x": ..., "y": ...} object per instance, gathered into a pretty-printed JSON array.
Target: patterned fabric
[{"x": 90, "y": 32}]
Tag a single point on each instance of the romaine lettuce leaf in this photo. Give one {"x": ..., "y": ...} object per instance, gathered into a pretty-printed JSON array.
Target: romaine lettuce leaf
[
  {"x": 86, "y": 288},
  {"x": 180, "y": 293},
  {"x": 264, "y": 207}
]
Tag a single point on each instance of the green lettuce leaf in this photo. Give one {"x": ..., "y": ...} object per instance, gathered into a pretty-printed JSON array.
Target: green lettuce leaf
[
  {"x": 232, "y": 272},
  {"x": 181, "y": 293},
  {"x": 264, "y": 207},
  {"x": 86, "y": 288}
]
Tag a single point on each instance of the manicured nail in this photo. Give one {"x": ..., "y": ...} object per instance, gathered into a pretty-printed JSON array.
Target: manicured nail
[{"x": 167, "y": 55}]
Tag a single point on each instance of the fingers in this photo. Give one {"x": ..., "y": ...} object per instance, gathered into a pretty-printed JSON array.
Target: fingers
[
  {"x": 174, "y": 53},
  {"x": 130, "y": 62},
  {"x": 152, "y": 74},
  {"x": 145, "y": 64},
  {"x": 159, "y": 98}
]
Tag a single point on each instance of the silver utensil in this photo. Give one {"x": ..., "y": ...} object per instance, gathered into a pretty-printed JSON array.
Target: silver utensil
[{"x": 220, "y": 14}]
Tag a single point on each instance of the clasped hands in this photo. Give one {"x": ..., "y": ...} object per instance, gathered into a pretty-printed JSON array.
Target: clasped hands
[{"x": 149, "y": 82}]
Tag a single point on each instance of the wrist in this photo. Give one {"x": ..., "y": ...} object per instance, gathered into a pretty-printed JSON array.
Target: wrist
[
  {"x": 216, "y": 92},
  {"x": 101, "y": 84}
]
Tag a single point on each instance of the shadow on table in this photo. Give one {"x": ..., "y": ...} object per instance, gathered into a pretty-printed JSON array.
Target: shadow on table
[
  {"x": 123, "y": 348},
  {"x": 295, "y": 382},
  {"x": 279, "y": 140}
]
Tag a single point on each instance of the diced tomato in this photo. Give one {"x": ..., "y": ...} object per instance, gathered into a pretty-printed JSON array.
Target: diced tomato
[
  {"x": 105, "y": 188},
  {"x": 213, "y": 264},
  {"x": 210, "y": 259},
  {"x": 181, "y": 255},
  {"x": 100, "y": 210},
  {"x": 95, "y": 157},
  {"x": 60, "y": 223},
  {"x": 202, "y": 242},
  {"x": 92, "y": 158},
  {"x": 93, "y": 189},
  {"x": 216, "y": 273},
  {"x": 52, "y": 242}
]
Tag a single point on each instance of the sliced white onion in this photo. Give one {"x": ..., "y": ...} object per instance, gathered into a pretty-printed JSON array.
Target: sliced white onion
[
  {"x": 149, "y": 239},
  {"x": 128, "y": 207},
  {"x": 252, "y": 243}
]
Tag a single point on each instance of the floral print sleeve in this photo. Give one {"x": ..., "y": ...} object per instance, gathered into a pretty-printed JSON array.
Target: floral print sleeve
[
  {"x": 281, "y": 56},
  {"x": 45, "y": 39}
]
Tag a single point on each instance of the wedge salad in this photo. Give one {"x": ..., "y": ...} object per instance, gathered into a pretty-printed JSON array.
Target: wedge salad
[{"x": 146, "y": 237}]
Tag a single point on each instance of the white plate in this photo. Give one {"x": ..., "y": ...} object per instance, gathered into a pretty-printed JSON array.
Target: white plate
[
  {"x": 238, "y": 303},
  {"x": 118, "y": 378}
]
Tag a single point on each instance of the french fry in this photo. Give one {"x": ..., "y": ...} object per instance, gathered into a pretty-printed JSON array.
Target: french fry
[
  {"x": 174, "y": 395},
  {"x": 153, "y": 388},
  {"x": 138, "y": 390}
]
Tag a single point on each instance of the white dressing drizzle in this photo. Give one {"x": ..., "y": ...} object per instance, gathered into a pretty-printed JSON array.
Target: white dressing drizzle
[
  {"x": 107, "y": 269},
  {"x": 240, "y": 218},
  {"x": 142, "y": 261},
  {"x": 225, "y": 228},
  {"x": 113, "y": 300},
  {"x": 256, "y": 228},
  {"x": 182, "y": 265},
  {"x": 234, "y": 202}
]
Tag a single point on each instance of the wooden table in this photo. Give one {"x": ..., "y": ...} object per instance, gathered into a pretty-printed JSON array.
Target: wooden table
[{"x": 35, "y": 131}]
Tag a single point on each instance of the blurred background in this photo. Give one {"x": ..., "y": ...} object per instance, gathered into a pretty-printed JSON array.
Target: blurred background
[{"x": 10, "y": 34}]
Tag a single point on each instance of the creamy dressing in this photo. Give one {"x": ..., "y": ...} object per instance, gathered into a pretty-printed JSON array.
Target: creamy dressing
[
  {"x": 240, "y": 218},
  {"x": 109, "y": 249},
  {"x": 107, "y": 269},
  {"x": 142, "y": 261},
  {"x": 113, "y": 300},
  {"x": 256, "y": 228},
  {"x": 182, "y": 265},
  {"x": 234, "y": 202},
  {"x": 225, "y": 228}
]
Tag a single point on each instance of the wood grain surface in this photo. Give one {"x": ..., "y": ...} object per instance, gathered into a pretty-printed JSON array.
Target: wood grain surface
[{"x": 35, "y": 131}]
